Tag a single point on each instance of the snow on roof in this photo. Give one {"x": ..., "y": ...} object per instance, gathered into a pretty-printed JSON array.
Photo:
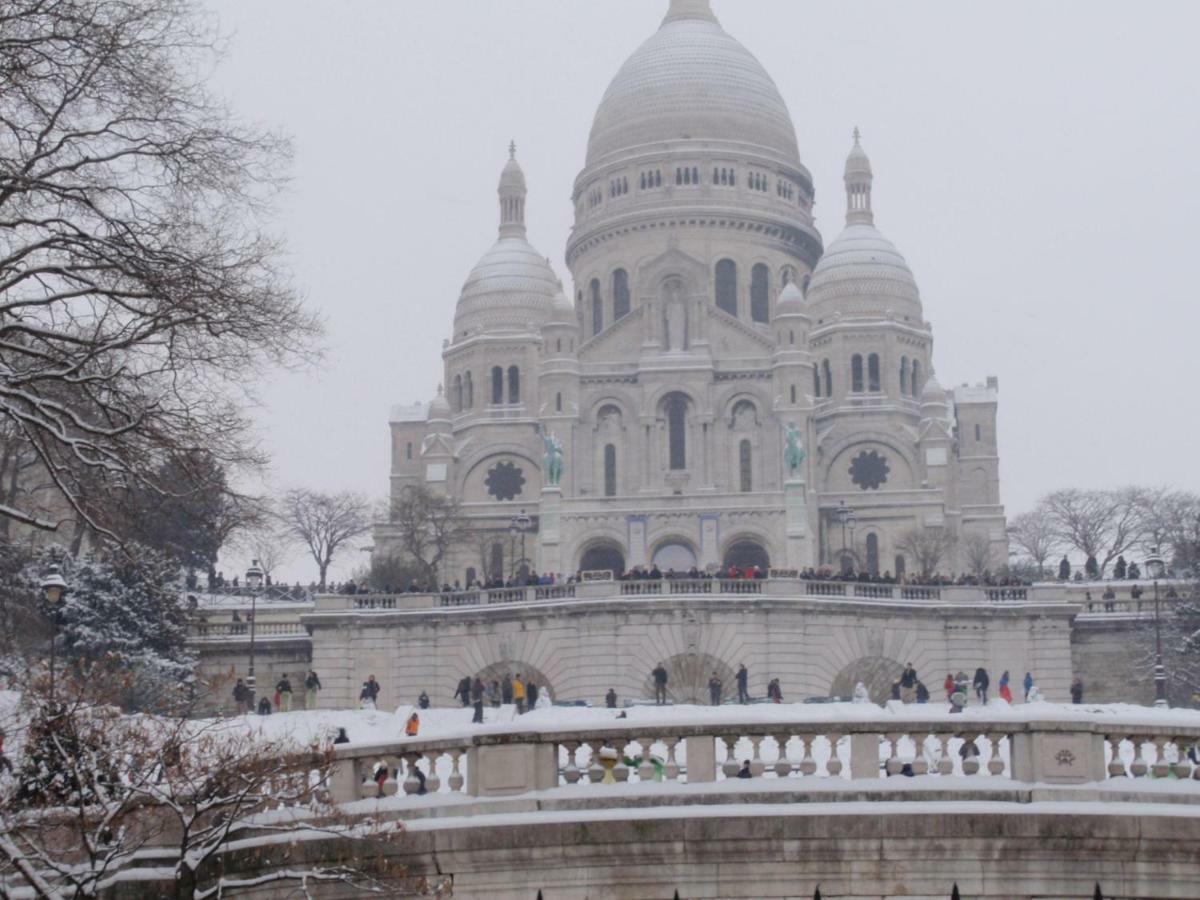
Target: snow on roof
[
  {"x": 979, "y": 393},
  {"x": 412, "y": 412}
]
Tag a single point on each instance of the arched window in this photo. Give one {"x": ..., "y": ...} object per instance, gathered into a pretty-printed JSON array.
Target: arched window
[
  {"x": 745, "y": 474},
  {"x": 904, "y": 376},
  {"x": 828, "y": 379},
  {"x": 916, "y": 379},
  {"x": 469, "y": 391},
  {"x": 457, "y": 397},
  {"x": 496, "y": 563},
  {"x": 873, "y": 554},
  {"x": 676, "y": 407},
  {"x": 760, "y": 301},
  {"x": 610, "y": 470},
  {"x": 497, "y": 386},
  {"x": 597, "y": 308},
  {"x": 514, "y": 384},
  {"x": 558, "y": 402},
  {"x": 874, "y": 383},
  {"x": 816, "y": 383},
  {"x": 727, "y": 286},
  {"x": 856, "y": 373},
  {"x": 620, "y": 290}
]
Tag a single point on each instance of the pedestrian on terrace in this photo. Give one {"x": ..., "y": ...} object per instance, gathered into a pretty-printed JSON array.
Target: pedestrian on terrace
[
  {"x": 922, "y": 692},
  {"x": 610, "y": 699},
  {"x": 463, "y": 691},
  {"x": 369, "y": 695},
  {"x": 283, "y": 694},
  {"x": 412, "y": 726},
  {"x": 908, "y": 683},
  {"x": 948, "y": 686},
  {"x": 423, "y": 700},
  {"x": 1005, "y": 690},
  {"x": 518, "y": 692},
  {"x": 743, "y": 680},
  {"x": 493, "y": 694},
  {"x": 531, "y": 695},
  {"x": 477, "y": 699},
  {"x": 1077, "y": 691},
  {"x": 242, "y": 697},
  {"x": 1028, "y": 685},
  {"x": 660, "y": 685},
  {"x": 980, "y": 682},
  {"x": 714, "y": 690},
  {"x": 312, "y": 685},
  {"x": 506, "y": 690}
]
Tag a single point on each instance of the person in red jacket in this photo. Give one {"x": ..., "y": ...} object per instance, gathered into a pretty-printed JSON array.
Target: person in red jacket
[{"x": 948, "y": 684}]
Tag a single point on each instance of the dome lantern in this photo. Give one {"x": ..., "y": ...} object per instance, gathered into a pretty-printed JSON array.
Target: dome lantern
[
  {"x": 512, "y": 196},
  {"x": 858, "y": 185},
  {"x": 690, "y": 9}
]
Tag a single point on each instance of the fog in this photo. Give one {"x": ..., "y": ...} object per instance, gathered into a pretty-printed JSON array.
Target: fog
[{"x": 1035, "y": 162}]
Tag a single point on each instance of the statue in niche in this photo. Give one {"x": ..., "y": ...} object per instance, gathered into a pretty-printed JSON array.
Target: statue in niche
[
  {"x": 793, "y": 453},
  {"x": 552, "y": 461},
  {"x": 675, "y": 313}
]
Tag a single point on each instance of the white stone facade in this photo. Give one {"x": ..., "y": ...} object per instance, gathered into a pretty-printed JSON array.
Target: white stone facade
[{"x": 706, "y": 319}]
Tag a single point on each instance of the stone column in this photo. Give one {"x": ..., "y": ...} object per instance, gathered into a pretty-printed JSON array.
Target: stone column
[
  {"x": 799, "y": 539},
  {"x": 549, "y": 555}
]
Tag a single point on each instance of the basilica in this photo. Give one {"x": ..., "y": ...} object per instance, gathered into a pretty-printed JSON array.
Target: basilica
[{"x": 718, "y": 386}]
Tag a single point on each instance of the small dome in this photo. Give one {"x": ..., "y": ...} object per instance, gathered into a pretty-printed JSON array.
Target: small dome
[
  {"x": 563, "y": 312},
  {"x": 439, "y": 409},
  {"x": 933, "y": 394},
  {"x": 692, "y": 81},
  {"x": 791, "y": 300}
]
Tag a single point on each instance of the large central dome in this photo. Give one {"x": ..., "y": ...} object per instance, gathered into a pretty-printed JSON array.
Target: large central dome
[{"x": 692, "y": 81}]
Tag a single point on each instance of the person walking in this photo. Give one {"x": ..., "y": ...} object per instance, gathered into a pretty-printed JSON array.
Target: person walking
[
  {"x": 312, "y": 685},
  {"x": 610, "y": 699},
  {"x": 463, "y": 691},
  {"x": 1028, "y": 683},
  {"x": 477, "y": 699},
  {"x": 714, "y": 690},
  {"x": 242, "y": 697},
  {"x": 1005, "y": 690},
  {"x": 908, "y": 683},
  {"x": 980, "y": 682},
  {"x": 283, "y": 694},
  {"x": 506, "y": 690},
  {"x": 948, "y": 686},
  {"x": 518, "y": 693},
  {"x": 743, "y": 681},
  {"x": 369, "y": 695},
  {"x": 660, "y": 685},
  {"x": 531, "y": 695},
  {"x": 1077, "y": 691}
]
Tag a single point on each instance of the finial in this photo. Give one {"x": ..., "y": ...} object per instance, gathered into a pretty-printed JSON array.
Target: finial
[
  {"x": 689, "y": 9},
  {"x": 857, "y": 136},
  {"x": 512, "y": 150}
]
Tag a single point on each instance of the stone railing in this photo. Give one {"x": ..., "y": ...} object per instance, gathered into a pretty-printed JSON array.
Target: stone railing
[
  {"x": 954, "y": 749},
  {"x": 241, "y": 630}
]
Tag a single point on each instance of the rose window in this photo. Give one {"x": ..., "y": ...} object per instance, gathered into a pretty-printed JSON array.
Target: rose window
[
  {"x": 869, "y": 470},
  {"x": 505, "y": 481}
]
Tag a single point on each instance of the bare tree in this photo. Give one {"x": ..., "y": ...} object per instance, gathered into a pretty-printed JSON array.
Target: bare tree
[
  {"x": 269, "y": 541},
  {"x": 1034, "y": 533},
  {"x": 1171, "y": 521},
  {"x": 977, "y": 553},
  {"x": 140, "y": 291},
  {"x": 1101, "y": 525},
  {"x": 429, "y": 526},
  {"x": 324, "y": 523},
  {"x": 927, "y": 547}
]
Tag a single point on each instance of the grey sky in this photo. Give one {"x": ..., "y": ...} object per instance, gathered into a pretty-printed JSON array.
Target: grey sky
[{"x": 1035, "y": 162}]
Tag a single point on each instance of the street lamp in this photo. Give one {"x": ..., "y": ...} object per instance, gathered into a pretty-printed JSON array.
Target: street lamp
[
  {"x": 1155, "y": 568},
  {"x": 848, "y": 519},
  {"x": 54, "y": 588},
  {"x": 254, "y": 580},
  {"x": 519, "y": 525}
]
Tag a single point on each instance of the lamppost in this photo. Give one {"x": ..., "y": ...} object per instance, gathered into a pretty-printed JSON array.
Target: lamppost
[
  {"x": 848, "y": 519},
  {"x": 1155, "y": 568},
  {"x": 254, "y": 580},
  {"x": 519, "y": 525},
  {"x": 54, "y": 588}
]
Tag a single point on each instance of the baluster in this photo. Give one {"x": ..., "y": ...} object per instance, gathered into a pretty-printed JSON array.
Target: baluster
[
  {"x": 995, "y": 763},
  {"x": 1116, "y": 765},
  {"x": 835, "y": 764},
  {"x": 783, "y": 765},
  {"x": 645, "y": 771},
  {"x": 730, "y": 767},
  {"x": 1161, "y": 767},
  {"x": 1138, "y": 768},
  {"x": 571, "y": 773},
  {"x": 808, "y": 765},
  {"x": 945, "y": 763},
  {"x": 621, "y": 772},
  {"x": 595, "y": 770},
  {"x": 411, "y": 783},
  {"x": 671, "y": 767},
  {"x": 1182, "y": 766},
  {"x": 970, "y": 764},
  {"x": 920, "y": 763},
  {"x": 433, "y": 781},
  {"x": 893, "y": 766},
  {"x": 456, "y": 780},
  {"x": 757, "y": 766}
]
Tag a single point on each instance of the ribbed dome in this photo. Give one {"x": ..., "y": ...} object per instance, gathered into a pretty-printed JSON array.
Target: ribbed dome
[
  {"x": 862, "y": 264},
  {"x": 791, "y": 300},
  {"x": 691, "y": 80},
  {"x": 563, "y": 310},
  {"x": 511, "y": 287}
]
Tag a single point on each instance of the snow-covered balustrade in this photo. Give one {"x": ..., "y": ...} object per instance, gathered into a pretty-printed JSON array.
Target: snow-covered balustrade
[
  {"x": 224, "y": 630},
  {"x": 906, "y": 748}
]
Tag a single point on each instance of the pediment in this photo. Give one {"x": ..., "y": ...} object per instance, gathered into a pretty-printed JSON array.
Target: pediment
[
  {"x": 673, "y": 263},
  {"x": 728, "y": 336},
  {"x": 621, "y": 342}
]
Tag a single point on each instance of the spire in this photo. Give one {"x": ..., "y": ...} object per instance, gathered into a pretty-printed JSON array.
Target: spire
[
  {"x": 858, "y": 185},
  {"x": 512, "y": 196},
  {"x": 689, "y": 9}
]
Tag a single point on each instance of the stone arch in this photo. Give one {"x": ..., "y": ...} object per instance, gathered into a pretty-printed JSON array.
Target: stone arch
[
  {"x": 744, "y": 551},
  {"x": 664, "y": 545},
  {"x": 600, "y": 554},
  {"x": 497, "y": 670},
  {"x": 837, "y": 459},
  {"x": 876, "y": 672},
  {"x": 472, "y": 474},
  {"x": 687, "y": 677}
]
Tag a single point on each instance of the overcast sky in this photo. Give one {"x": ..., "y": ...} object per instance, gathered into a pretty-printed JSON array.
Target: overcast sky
[{"x": 1035, "y": 162}]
